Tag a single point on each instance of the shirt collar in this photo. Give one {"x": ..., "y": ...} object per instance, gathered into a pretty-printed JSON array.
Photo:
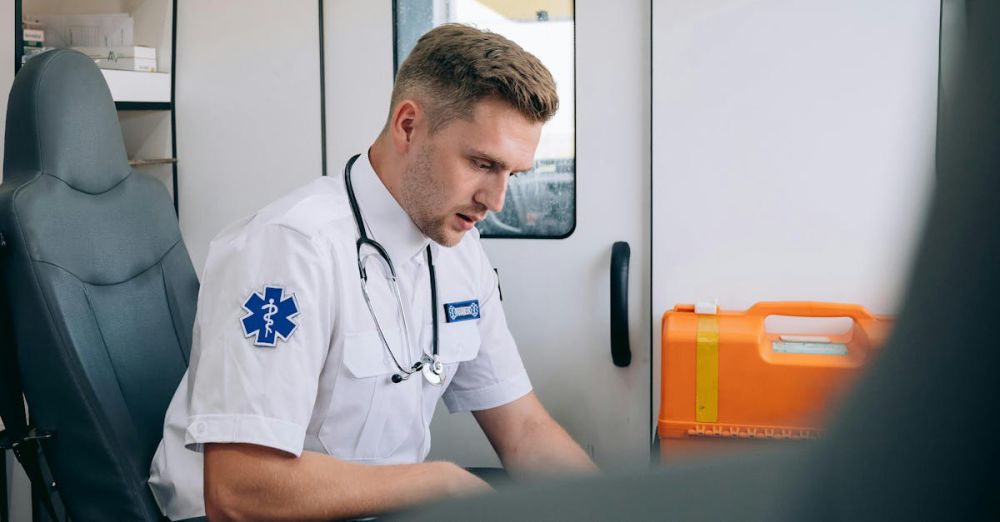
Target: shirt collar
[{"x": 386, "y": 221}]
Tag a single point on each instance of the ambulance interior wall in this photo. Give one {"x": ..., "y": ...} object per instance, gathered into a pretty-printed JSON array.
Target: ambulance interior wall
[
  {"x": 247, "y": 108},
  {"x": 793, "y": 151}
]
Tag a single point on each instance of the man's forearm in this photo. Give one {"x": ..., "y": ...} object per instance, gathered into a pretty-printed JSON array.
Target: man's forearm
[
  {"x": 529, "y": 442},
  {"x": 544, "y": 448},
  {"x": 248, "y": 482}
]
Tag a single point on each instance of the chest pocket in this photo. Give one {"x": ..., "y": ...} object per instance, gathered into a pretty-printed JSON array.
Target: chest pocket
[
  {"x": 370, "y": 417},
  {"x": 373, "y": 419},
  {"x": 458, "y": 342}
]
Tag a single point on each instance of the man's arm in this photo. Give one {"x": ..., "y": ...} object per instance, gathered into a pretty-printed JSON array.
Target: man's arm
[
  {"x": 529, "y": 442},
  {"x": 251, "y": 482}
]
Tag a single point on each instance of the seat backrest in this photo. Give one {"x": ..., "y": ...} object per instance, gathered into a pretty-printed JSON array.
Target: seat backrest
[{"x": 101, "y": 289}]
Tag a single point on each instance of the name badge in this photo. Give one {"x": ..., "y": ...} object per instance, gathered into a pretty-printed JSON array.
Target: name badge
[{"x": 462, "y": 311}]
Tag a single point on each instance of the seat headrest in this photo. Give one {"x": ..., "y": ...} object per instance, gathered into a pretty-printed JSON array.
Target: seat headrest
[{"x": 62, "y": 121}]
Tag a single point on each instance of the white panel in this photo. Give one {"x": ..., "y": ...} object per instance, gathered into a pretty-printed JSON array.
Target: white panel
[
  {"x": 135, "y": 86},
  {"x": 359, "y": 74},
  {"x": 247, "y": 109},
  {"x": 793, "y": 149},
  {"x": 147, "y": 136},
  {"x": 18, "y": 488}
]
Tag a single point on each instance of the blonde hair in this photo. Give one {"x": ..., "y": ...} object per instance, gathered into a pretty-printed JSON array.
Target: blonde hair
[{"x": 453, "y": 66}]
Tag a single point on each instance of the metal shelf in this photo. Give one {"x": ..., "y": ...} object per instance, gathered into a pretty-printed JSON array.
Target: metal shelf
[
  {"x": 136, "y": 91},
  {"x": 143, "y": 106},
  {"x": 152, "y": 161}
]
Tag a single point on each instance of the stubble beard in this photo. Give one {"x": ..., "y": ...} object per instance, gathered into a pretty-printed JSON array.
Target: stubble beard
[{"x": 422, "y": 195}]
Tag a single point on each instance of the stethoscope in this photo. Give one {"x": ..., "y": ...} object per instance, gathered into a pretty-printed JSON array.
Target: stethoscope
[{"x": 430, "y": 366}]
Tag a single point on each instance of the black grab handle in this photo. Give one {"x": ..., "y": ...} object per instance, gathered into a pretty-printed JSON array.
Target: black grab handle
[{"x": 621, "y": 354}]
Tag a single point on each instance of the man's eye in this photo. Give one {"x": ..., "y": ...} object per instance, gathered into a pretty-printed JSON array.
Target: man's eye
[{"x": 484, "y": 166}]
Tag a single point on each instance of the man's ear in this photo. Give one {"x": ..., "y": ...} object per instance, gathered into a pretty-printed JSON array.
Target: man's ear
[{"x": 406, "y": 119}]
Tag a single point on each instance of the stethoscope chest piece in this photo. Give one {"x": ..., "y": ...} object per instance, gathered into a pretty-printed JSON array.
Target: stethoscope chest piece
[{"x": 433, "y": 371}]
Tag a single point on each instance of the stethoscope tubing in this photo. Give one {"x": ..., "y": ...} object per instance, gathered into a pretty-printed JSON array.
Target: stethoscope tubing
[{"x": 365, "y": 240}]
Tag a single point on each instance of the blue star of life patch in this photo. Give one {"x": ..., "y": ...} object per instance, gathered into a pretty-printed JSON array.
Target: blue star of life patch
[
  {"x": 462, "y": 311},
  {"x": 269, "y": 316}
]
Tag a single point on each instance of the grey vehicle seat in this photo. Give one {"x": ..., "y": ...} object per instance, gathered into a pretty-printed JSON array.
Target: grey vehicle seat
[
  {"x": 917, "y": 439},
  {"x": 99, "y": 285}
]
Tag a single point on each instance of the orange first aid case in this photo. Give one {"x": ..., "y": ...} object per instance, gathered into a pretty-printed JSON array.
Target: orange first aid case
[{"x": 724, "y": 376}]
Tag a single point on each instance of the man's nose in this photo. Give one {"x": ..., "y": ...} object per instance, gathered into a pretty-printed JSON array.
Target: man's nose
[{"x": 493, "y": 193}]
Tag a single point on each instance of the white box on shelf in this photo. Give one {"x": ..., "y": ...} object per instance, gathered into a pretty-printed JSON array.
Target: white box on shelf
[
  {"x": 33, "y": 35},
  {"x": 129, "y": 64},
  {"x": 134, "y": 86},
  {"x": 119, "y": 51}
]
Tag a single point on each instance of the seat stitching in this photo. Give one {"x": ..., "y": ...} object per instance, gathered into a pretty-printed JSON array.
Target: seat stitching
[{"x": 131, "y": 277}]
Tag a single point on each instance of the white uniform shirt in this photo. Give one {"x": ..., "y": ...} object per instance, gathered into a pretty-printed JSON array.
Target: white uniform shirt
[{"x": 324, "y": 385}]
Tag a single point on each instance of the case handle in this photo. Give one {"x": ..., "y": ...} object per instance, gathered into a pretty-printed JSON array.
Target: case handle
[{"x": 811, "y": 309}]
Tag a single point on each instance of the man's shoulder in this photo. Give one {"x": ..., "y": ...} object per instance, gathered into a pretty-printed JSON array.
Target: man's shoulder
[{"x": 307, "y": 211}]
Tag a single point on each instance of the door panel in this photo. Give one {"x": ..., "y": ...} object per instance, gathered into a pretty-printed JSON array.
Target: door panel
[{"x": 793, "y": 149}]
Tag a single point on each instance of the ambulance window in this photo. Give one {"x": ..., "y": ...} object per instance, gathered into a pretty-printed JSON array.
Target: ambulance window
[{"x": 540, "y": 203}]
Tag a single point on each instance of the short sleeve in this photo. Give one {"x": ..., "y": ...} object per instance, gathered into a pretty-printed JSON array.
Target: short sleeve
[
  {"x": 496, "y": 376},
  {"x": 261, "y": 337}
]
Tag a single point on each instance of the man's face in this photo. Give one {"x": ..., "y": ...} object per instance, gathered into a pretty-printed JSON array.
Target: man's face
[{"x": 457, "y": 174}]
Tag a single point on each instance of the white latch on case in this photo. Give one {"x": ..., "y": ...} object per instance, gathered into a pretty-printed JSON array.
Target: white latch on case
[{"x": 707, "y": 308}]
